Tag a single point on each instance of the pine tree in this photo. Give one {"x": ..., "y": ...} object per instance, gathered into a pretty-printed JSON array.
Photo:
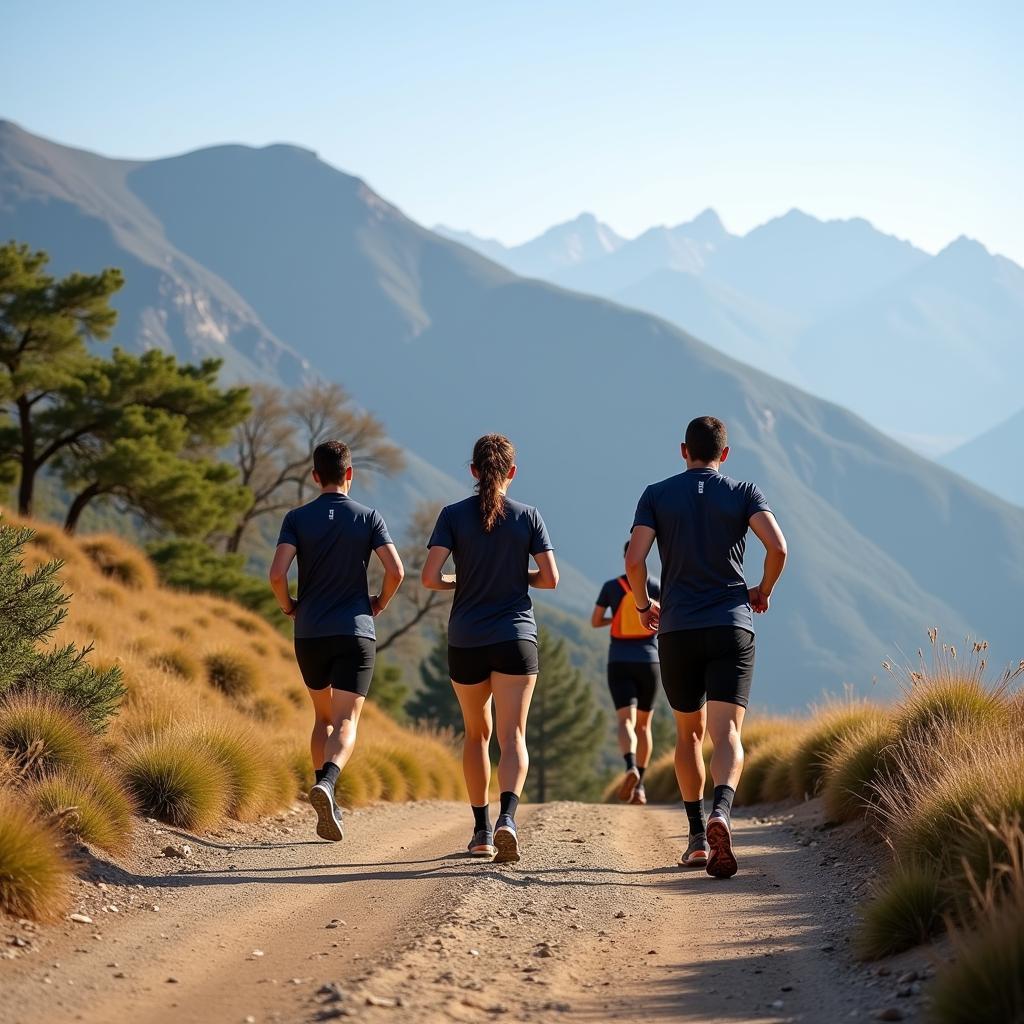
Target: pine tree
[
  {"x": 566, "y": 730},
  {"x": 389, "y": 691},
  {"x": 435, "y": 703},
  {"x": 32, "y": 606}
]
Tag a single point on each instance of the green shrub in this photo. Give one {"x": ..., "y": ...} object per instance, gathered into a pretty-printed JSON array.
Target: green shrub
[
  {"x": 39, "y": 734},
  {"x": 905, "y": 911},
  {"x": 175, "y": 780},
  {"x": 232, "y": 674},
  {"x": 34, "y": 871},
  {"x": 91, "y": 806}
]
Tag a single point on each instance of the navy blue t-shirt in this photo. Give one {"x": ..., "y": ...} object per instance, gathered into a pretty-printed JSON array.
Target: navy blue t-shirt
[
  {"x": 642, "y": 649},
  {"x": 492, "y": 594},
  {"x": 334, "y": 537},
  {"x": 700, "y": 518}
]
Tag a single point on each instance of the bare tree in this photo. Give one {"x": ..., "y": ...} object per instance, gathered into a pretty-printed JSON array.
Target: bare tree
[
  {"x": 413, "y": 605},
  {"x": 274, "y": 446}
]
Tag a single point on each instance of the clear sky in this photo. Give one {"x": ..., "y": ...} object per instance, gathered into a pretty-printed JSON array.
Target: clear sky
[{"x": 507, "y": 118}]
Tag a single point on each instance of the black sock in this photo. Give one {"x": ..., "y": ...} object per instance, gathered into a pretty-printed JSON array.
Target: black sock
[
  {"x": 695, "y": 812},
  {"x": 329, "y": 773},
  {"x": 319, "y": 773},
  {"x": 509, "y": 803},
  {"x": 630, "y": 760},
  {"x": 723, "y": 800},
  {"x": 641, "y": 768},
  {"x": 482, "y": 818}
]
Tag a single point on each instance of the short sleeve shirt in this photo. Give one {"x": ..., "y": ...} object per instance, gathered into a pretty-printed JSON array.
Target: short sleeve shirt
[
  {"x": 643, "y": 649},
  {"x": 700, "y": 519},
  {"x": 492, "y": 593},
  {"x": 334, "y": 537}
]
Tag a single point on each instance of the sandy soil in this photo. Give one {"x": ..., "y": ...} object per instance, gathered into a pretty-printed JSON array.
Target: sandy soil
[{"x": 266, "y": 923}]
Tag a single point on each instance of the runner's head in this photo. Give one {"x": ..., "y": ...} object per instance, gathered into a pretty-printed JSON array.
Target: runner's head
[
  {"x": 706, "y": 443},
  {"x": 332, "y": 464},
  {"x": 493, "y": 465}
]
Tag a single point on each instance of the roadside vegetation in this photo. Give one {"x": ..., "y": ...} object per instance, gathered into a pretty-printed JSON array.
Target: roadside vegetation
[
  {"x": 938, "y": 778},
  {"x": 131, "y": 699}
]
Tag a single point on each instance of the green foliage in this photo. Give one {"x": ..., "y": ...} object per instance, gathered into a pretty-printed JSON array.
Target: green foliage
[
  {"x": 32, "y": 606},
  {"x": 435, "y": 703},
  {"x": 44, "y": 324},
  {"x": 389, "y": 692},
  {"x": 566, "y": 730},
  {"x": 192, "y": 565}
]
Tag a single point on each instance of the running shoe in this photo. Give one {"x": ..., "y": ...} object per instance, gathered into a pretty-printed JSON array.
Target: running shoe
[
  {"x": 328, "y": 814},
  {"x": 639, "y": 795},
  {"x": 721, "y": 860},
  {"x": 696, "y": 853},
  {"x": 506, "y": 840},
  {"x": 628, "y": 785},
  {"x": 482, "y": 843}
]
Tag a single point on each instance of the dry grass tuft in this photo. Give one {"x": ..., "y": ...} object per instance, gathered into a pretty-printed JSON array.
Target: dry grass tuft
[
  {"x": 179, "y": 662},
  {"x": 905, "y": 911},
  {"x": 34, "y": 870},
  {"x": 39, "y": 734},
  {"x": 118, "y": 560},
  {"x": 855, "y": 767},
  {"x": 829, "y": 727},
  {"x": 231, "y": 673}
]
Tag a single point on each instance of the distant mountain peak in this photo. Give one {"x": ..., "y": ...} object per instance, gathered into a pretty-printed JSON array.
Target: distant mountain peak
[{"x": 964, "y": 247}]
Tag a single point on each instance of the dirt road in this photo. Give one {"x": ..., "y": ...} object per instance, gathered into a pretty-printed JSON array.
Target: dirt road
[{"x": 595, "y": 924}]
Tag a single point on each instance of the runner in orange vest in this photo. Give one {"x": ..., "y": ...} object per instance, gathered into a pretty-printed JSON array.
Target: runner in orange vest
[{"x": 634, "y": 676}]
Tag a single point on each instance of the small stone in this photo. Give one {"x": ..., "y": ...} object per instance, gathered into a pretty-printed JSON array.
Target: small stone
[
  {"x": 257, "y": 952},
  {"x": 890, "y": 1013},
  {"x": 474, "y": 952},
  {"x": 557, "y": 1007},
  {"x": 381, "y": 1001},
  {"x": 907, "y": 978},
  {"x": 250, "y": 1019},
  {"x": 119, "y": 974},
  {"x": 786, "y": 988},
  {"x": 778, "y": 1004},
  {"x": 545, "y": 951},
  {"x": 172, "y": 981},
  {"x": 181, "y": 850},
  {"x": 904, "y": 991},
  {"x": 332, "y": 992},
  {"x": 80, "y": 918},
  {"x": 620, "y": 914}
]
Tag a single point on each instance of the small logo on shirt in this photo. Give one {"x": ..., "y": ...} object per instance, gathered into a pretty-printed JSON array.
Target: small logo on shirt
[
  {"x": 330, "y": 512},
  {"x": 700, "y": 486}
]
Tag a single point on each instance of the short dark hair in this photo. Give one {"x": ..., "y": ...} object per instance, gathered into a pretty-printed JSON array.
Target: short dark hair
[
  {"x": 332, "y": 460},
  {"x": 625, "y": 547},
  {"x": 706, "y": 439}
]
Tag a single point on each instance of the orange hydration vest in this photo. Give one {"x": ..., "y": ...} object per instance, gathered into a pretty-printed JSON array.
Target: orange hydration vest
[{"x": 626, "y": 624}]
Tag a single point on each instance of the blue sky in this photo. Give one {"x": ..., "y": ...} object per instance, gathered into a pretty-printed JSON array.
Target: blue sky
[{"x": 508, "y": 118}]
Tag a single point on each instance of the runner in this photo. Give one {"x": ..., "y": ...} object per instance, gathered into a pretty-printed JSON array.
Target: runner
[
  {"x": 492, "y": 634},
  {"x": 705, "y": 623},
  {"x": 335, "y": 642},
  {"x": 633, "y": 678}
]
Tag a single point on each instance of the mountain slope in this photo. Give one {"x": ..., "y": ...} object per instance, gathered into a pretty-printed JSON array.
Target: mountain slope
[
  {"x": 993, "y": 460},
  {"x": 446, "y": 345}
]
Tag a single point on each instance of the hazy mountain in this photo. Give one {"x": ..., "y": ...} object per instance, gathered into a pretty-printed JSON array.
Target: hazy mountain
[
  {"x": 994, "y": 460},
  {"x": 489, "y": 247},
  {"x": 446, "y": 345}
]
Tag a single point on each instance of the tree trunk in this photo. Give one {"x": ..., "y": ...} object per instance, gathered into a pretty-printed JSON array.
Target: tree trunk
[
  {"x": 26, "y": 485},
  {"x": 78, "y": 507}
]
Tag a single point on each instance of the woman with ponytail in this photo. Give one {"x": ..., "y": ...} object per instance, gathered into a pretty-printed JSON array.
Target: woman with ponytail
[{"x": 492, "y": 634}]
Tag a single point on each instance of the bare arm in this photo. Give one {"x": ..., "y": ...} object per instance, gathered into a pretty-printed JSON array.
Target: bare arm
[
  {"x": 766, "y": 529},
  {"x": 545, "y": 576},
  {"x": 640, "y": 543},
  {"x": 283, "y": 558},
  {"x": 394, "y": 573},
  {"x": 431, "y": 577},
  {"x": 599, "y": 617}
]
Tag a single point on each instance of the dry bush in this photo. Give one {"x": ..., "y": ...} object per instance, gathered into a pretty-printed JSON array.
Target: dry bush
[
  {"x": 829, "y": 726},
  {"x": 905, "y": 910},
  {"x": 174, "y": 780},
  {"x": 93, "y": 806},
  {"x": 40, "y": 734},
  {"x": 770, "y": 757},
  {"x": 855, "y": 767},
  {"x": 179, "y": 662},
  {"x": 34, "y": 870},
  {"x": 231, "y": 673},
  {"x": 120, "y": 561}
]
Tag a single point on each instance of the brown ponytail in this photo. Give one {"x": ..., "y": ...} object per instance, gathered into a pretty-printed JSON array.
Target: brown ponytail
[{"x": 493, "y": 458}]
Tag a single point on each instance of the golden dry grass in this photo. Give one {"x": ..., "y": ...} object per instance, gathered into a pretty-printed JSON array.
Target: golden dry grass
[{"x": 34, "y": 870}]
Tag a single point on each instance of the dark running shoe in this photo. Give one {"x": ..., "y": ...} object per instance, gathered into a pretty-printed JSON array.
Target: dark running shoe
[
  {"x": 696, "y": 853},
  {"x": 627, "y": 787},
  {"x": 328, "y": 814},
  {"x": 482, "y": 844},
  {"x": 721, "y": 860},
  {"x": 506, "y": 840}
]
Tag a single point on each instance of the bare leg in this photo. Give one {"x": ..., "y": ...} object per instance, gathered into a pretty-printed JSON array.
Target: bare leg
[
  {"x": 644, "y": 741},
  {"x": 689, "y": 753},
  {"x": 626, "y": 729},
  {"x": 475, "y": 701},
  {"x": 512, "y": 696},
  {"x": 335, "y": 725},
  {"x": 725, "y": 722}
]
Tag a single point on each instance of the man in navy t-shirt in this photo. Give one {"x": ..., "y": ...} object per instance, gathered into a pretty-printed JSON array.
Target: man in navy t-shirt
[
  {"x": 633, "y": 678},
  {"x": 335, "y": 642},
  {"x": 704, "y": 620}
]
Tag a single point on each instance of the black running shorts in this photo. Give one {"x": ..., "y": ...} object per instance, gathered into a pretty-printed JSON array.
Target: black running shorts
[
  {"x": 342, "y": 662},
  {"x": 633, "y": 683},
  {"x": 698, "y": 665},
  {"x": 475, "y": 664}
]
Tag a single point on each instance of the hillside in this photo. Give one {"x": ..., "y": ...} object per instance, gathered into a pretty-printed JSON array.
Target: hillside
[
  {"x": 444, "y": 345},
  {"x": 993, "y": 460}
]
